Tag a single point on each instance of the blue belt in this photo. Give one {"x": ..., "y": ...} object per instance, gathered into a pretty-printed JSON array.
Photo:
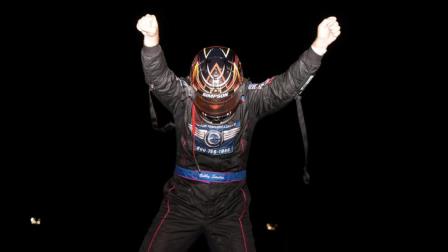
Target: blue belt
[{"x": 209, "y": 176}]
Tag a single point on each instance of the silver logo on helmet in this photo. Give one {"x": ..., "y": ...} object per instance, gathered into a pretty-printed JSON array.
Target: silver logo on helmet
[{"x": 215, "y": 96}]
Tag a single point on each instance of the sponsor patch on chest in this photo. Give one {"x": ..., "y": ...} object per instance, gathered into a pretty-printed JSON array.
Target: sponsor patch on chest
[{"x": 216, "y": 139}]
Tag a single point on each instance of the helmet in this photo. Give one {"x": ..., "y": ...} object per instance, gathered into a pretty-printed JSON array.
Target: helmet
[{"x": 216, "y": 75}]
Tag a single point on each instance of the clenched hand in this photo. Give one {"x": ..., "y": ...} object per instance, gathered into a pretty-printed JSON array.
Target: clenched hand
[
  {"x": 327, "y": 32},
  {"x": 149, "y": 27}
]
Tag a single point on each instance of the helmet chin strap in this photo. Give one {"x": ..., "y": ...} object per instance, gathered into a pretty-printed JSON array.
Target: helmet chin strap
[{"x": 217, "y": 119}]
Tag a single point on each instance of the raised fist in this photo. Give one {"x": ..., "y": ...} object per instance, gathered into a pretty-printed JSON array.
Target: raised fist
[
  {"x": 148, "y": 26},
  {"x": 328, "y": 30}
]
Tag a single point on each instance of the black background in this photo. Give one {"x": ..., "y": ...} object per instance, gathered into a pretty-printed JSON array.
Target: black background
[{"x": 81, "y": 154}]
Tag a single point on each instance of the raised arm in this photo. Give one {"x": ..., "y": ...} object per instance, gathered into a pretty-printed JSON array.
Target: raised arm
[
  {"x": 168, "y": 88},
  {"x": 276, "y": 92}
]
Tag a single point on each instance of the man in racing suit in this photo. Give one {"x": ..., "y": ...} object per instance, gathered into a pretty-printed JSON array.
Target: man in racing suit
[{"x": 215, "y": 111}]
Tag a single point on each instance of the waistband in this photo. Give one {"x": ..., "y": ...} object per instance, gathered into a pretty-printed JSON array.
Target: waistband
[{"x": 209, "y": 176}]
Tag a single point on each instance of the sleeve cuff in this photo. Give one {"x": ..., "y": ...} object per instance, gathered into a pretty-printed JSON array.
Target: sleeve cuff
[
  {"x": 313, "y": 57},
  {"x": 151, "y": 51}
]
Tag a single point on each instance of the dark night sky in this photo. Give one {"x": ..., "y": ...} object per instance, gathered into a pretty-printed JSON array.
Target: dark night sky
[{"x": 83, "y": 152}]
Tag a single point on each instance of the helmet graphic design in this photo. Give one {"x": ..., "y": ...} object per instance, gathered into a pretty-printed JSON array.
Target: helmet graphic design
[{"x": 216, "y": 75}]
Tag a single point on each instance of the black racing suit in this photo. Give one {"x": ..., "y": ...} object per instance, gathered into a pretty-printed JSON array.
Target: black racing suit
[{"x": 217, "y": 210}]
